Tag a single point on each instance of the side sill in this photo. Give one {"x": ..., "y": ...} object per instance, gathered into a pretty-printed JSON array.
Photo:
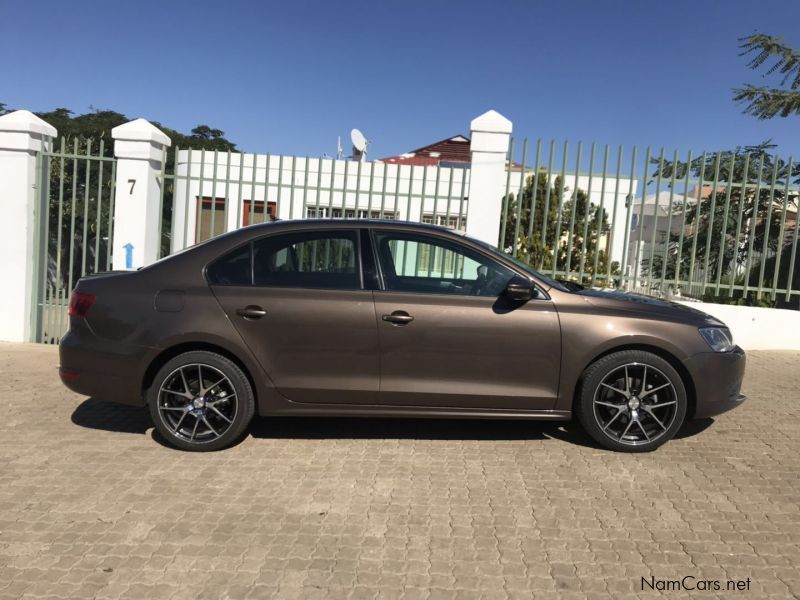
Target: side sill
[{"x": 367, "y": 411}]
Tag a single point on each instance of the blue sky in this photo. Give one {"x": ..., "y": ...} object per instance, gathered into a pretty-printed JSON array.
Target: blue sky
[{"x": 289, "y": 77}]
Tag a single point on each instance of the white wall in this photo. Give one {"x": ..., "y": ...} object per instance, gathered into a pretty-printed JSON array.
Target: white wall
[
  {"x": 756, "y": 328},
  {"x": 140, "y": 149},
  {"x": 16, "y": 244},
  {"x": 296, "y": 183},
  {"x": 22, "y": 135}
]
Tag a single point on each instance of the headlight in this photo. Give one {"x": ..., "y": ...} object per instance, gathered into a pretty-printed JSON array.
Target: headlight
[{"x": 719, "y": 338}]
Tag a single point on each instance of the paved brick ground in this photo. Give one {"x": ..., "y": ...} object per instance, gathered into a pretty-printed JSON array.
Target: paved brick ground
[{"x": 91, "y": 506}]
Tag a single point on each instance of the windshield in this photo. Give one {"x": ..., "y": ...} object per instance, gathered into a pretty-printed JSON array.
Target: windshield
[{"x": 522, "y": 265}]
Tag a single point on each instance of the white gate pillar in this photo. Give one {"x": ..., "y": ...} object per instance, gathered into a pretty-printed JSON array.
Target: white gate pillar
[
  {"x": 22, "y": 136},
  {"x": 490, "y": 134},
  {"x": 139, "y": 147}
]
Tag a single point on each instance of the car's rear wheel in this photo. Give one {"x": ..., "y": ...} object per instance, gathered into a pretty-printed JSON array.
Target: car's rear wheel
[
  {"x": 201, "y": 401},
  {"x": 632, "y": 401}
]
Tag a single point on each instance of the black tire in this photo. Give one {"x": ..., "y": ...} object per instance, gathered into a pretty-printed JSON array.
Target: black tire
[
  {"x": 187, "y": 418},
  {"x": 611, "y": 411}
]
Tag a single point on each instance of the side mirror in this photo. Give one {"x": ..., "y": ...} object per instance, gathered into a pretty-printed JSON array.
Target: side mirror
[{"x": 520, "y": 290}]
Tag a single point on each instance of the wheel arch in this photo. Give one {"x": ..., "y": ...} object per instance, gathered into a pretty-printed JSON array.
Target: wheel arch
[
  {"x": 190, "y": 346},
  {"x": 683, "y": 372}
]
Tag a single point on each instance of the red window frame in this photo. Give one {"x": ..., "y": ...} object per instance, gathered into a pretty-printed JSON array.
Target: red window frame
[{"x": 258, "y": 209}]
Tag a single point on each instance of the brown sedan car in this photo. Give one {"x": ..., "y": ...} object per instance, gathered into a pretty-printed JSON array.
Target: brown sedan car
[{"x": 380, "y": 318}]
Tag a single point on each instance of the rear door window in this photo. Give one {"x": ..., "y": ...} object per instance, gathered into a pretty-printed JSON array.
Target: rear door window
[{"x": 308, "y": 259}]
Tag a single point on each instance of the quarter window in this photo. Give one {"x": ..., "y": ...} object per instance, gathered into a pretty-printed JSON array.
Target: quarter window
[{"x": 232, "y": 269}]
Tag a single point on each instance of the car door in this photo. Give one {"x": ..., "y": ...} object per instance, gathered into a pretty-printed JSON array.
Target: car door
[
  {"x": 448, "y": 337},
  {"x": 304, "y": 313}
]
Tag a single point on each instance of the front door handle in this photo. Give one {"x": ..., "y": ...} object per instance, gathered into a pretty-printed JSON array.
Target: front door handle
[
  {"x": 251, "y": 312},
  {"x": 398, "y": 317}
]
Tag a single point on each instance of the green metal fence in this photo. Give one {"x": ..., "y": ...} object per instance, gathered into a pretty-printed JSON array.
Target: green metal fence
[
  {"x": 74, "y": 214},
  {"x": 719, "y": 226},
  {"x": 207, "y": 192}
]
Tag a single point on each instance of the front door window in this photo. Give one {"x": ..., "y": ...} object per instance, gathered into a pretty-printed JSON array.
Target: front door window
[{"x": 419, "y": 263}]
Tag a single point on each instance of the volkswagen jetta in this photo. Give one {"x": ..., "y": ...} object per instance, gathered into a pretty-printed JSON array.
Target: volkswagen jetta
[{"x": 380, "y": 318}]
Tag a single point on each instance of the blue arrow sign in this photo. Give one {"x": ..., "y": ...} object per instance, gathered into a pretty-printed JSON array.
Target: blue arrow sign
[{"x": 128, "y": 255}]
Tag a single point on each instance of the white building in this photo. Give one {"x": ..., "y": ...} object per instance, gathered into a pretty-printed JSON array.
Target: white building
[{"x": 653, "y": 220}]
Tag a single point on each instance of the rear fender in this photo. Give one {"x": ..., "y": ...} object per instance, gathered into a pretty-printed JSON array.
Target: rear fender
[{"x": 265, "y": 392}]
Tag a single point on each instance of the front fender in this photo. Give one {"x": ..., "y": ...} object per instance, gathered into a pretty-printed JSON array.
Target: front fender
[{"x": 589, "y": 332}]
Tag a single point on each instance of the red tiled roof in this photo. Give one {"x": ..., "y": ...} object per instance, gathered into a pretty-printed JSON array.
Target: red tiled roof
[
  {"x": 419, "y": 161},
  {"x": 450, "y": 150}
]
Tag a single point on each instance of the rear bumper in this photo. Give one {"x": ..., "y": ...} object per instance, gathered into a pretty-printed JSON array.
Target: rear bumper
[
  {"x": 717, "y": 380},
  {"x": 102, "y": 369}
]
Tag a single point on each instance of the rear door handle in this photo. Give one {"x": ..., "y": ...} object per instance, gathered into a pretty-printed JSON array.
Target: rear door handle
[
  {"x": 251, "y": 312},
  {"x": 398, "y": 317}
]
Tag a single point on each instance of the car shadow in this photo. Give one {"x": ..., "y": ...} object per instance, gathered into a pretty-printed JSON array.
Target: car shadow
[
  {"x": 368, "y": 428},
  {"x": 112, "y": 416},
  {"x": 693, "y": 427},
  {"x": 109, "y": 416}
]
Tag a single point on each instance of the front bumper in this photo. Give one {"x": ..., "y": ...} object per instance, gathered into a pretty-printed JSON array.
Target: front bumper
[{"x": 717, "y": 380}]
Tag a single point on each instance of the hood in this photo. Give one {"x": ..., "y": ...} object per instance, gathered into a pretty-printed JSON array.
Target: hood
[{"x": 648, "y": 306}]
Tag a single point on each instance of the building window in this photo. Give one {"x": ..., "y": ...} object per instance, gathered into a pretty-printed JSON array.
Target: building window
[
  {"x": 253, "y": 212},
  {"x": 443, "y": 220},
  {"x": 210, "y": 218},
  {"x": 326, "y": 212}
]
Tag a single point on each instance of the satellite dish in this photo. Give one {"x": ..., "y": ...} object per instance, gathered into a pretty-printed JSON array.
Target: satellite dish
[
  {"x": 359, "y": 145},
  {"x": 358, "y": 139}
]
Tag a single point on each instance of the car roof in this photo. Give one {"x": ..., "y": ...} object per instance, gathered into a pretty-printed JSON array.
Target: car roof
[{"x": 394, "y": 224}]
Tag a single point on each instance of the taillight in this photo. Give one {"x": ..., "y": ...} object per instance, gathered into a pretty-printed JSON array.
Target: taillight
[
  {"x": 66, "y": 374},
  {"x": 80, "y": 303}
]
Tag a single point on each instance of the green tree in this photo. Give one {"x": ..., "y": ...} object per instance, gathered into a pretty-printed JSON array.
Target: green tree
[
  {"x": 731, "y": 241},
  {"x": 767, "y": 102},
  {"x": 206, "y": 137},
  {"x": 80, "y": 135},
  {"x": 531, "y": 236},
  {"x": 577, "y": 249},
  {"x": 532, "y": 249},
  {"x": 96, "y": 125}
]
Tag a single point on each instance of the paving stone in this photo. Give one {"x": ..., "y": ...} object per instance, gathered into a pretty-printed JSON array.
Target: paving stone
[{"x": 92, "y": 506}]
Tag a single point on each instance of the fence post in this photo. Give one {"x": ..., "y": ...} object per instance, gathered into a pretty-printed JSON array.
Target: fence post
[
  {"x": 23, "y": 136},
  {"x": 139, "y": 147},
  {"x": 490, "y": 134}
]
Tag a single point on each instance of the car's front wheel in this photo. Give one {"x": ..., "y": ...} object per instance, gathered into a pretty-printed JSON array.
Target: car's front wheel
[
  {"x": 201, "y": 401},
  {"x": 632, "y": 401}
]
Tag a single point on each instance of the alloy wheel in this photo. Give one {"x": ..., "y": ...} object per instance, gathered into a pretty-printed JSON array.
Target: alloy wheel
[
  {"x": 197, "y": 403},
  {"x": 635, "y": 404}
]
